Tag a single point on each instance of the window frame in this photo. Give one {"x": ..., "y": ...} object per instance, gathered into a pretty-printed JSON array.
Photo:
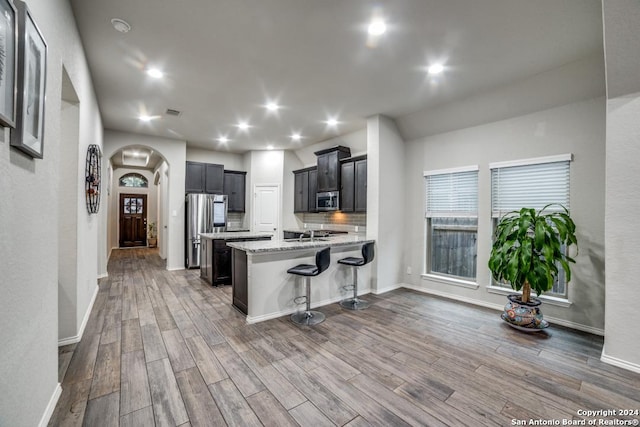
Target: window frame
[
  {"x": 561, "y": 299},
  {"x": 428, "y": 234}
]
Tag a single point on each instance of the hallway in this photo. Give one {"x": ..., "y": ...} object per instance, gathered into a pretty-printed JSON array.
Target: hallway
[{"x": 163, "y": 348}]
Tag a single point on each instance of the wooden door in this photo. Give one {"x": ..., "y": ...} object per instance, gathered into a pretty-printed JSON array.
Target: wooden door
[{"x": 133, "y": 220}]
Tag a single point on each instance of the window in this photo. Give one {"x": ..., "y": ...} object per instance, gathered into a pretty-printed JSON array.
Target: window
[
  {"x": 532, "y": 183},
  {"x": 133, "y": 180},
  {"x": 452, "y": 222}
]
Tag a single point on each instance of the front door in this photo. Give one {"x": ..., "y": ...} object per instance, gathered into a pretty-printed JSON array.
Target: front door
[{"x": 133, "y": 220}]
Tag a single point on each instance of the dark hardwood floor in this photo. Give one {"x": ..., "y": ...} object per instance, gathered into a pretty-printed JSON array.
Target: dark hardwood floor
[{"x": 164, "y": 348}]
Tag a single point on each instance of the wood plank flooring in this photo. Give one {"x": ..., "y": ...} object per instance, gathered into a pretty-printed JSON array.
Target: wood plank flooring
[{"x": 164, "y": 348}]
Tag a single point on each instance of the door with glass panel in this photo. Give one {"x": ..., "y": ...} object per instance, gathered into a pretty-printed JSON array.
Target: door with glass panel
[{"x": 133, "y": 220}]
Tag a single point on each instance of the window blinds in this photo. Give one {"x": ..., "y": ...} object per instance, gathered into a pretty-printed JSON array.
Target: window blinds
[
  {"x": 532, "y": 186},
  {"x": 452, "y": 194}
]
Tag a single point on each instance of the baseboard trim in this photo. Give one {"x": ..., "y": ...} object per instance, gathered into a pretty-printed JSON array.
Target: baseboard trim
[
  {"x": 175, "y": 268},
  {"x": 103, "y": 276},
  {"x": 85, "y": 320},
  {"x": 388, "y": 289},
  {"x": 619, "y": 362},
  {"x": 498, "y": 307},
  {"x": 257, "y": 319},
  {"x": 51, "y": 406}
]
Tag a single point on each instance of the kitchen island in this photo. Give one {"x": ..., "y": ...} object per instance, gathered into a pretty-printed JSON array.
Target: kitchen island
[
  {"x": 215, "y": 256},
  {"x": 262, "y": 288}
]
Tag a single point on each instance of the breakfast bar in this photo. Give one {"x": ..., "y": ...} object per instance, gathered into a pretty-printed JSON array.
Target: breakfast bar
[{"x": 262, "y": 288}]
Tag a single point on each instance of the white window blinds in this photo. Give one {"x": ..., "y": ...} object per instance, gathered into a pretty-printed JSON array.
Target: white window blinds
[
  {"x": 452, "y": 194},
  {"x": 532, "y": 185}
]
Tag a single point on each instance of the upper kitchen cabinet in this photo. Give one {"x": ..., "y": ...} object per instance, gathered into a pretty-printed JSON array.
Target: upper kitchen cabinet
[
  {"x": 353, "y": 188},
  {"x": 204, "y": 178},
  {"x": 301, "y": 190},
  {"x": 313, "y": 189},
  {"x": 234, "y": 188},
  {"x": 329, "y": 167}
]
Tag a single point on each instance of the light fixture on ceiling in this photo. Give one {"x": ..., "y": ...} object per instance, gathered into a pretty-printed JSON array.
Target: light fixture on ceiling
[
  {"x": 145, "y": 118},
  {"x": 435, "y": 69},
  {"x": 269, "y": 147},
  {"x": 272, "y": 106},
  {"x": 296, "y": 137},
  {"x": 243, "y": 126},
  {"x": 223, "y": 139},
  {"x": 155, "y": 73},
  {"x": 121, "y": 25},
  {"x": 333, "y": 122},
  {"x": 377, "y": 27}
]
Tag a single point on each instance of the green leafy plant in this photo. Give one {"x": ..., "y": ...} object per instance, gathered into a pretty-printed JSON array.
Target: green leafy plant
[
  {"x": 528, "y": 247},
  {"x": 151, "y": 230}
]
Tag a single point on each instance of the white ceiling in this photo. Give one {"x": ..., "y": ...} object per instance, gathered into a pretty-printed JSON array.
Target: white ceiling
[{"x": 224, "y": 59}]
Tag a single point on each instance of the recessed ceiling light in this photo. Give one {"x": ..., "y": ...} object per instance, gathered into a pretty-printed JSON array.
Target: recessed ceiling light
[
  {"x": 223, "y": 139},
  {"x": 296, "y": 137},
  {"x": 377, "y": 27},
  {"x": 145, "y": 118},
  {"x": 121, "y": 25},
  {"x": 332, "y": 122},
  {"x": 272, "y": 106},
  {"x": 435, "y": 69},
  {"x": 269, "y": 147},
  {"x": 243, "y": 125},
  {"x": 155, "y": 73}
]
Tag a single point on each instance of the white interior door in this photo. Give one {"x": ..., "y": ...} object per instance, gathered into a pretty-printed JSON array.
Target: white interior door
[{"x": 267, "y": 209}]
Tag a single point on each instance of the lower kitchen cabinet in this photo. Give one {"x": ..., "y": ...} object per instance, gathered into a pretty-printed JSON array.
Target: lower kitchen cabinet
[{"x": 215, "y": 263}]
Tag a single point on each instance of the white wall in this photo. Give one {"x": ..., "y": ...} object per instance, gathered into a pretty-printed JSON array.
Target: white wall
[
  {"x": 163, "y": 208},
  {"x": 231, "y": 161},
  {"x": 291, "y": 163},
  {"x": 116, "y": 190},
  {"x": 356, "y": 141},
  {"x": 29, "y": 213},
  {"x": 622, "y": 241},
  {"x": 575, "y": 128},
  {"x": 264, "y": 167},
  {"x": 174, "y": 153},
  {"x": 385, "y": 200}
]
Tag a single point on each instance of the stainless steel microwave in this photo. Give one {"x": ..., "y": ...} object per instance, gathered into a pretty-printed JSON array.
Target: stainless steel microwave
[{"x": 328, "y": 201}]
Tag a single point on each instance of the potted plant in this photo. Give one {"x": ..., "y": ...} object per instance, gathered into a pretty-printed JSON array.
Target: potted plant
[
  {"x": 152, "y": 237},
  {"x": 527, "y": 251}
]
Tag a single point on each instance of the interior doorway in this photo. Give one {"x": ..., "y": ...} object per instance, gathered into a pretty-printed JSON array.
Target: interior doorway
[
  {"x": 267, "y": 209},
  {"x": 133, "y": 220}
]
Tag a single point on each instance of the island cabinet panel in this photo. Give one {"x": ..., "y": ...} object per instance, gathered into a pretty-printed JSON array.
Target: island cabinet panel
[
  {"x": 239, "y": 283},
  {"x": 329, "y": 167},
  {"x": 221, "y": 263},
  {"x": 347, "y": 187},
  {"x": 203, "y": 178},
  {"x": 235, "y": 189}
]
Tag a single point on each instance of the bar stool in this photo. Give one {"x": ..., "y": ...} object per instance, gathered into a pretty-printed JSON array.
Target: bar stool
[
  {"x": 310, "y": 317},
  {"x": 356, "y": 303}
]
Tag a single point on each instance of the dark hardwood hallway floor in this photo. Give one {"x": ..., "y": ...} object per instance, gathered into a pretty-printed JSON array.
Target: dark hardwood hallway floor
[{"x": 164, "y": 348}]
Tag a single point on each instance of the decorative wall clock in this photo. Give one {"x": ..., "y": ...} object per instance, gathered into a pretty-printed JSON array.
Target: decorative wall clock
[{"x": 92, "y": 178}]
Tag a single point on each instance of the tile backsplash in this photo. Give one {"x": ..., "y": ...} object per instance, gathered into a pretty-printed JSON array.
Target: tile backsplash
[
  {"x": 235, "y": 220},
  {"x": 337, "y": 220}
]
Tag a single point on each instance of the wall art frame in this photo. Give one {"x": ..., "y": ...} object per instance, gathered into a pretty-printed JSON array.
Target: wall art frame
[
  {"x": 92, "y": 175},
  {"x": 28, "y": 134},
  {"x": 8, "y": 62}
]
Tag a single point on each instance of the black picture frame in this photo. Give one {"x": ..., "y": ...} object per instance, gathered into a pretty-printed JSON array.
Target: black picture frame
[
  {"x": 8, "y": 62},
  {"x": 28, "y": 134}
]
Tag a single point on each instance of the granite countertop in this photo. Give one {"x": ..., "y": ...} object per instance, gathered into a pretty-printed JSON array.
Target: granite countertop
[
  {"x": 227, "y": 235},
  {"x": 292, "y": 245}
]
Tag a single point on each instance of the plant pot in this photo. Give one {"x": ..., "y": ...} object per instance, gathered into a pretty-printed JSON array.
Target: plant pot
[
  {"x": 152, "y": 242},
  {"x": 524, "y": 316}
]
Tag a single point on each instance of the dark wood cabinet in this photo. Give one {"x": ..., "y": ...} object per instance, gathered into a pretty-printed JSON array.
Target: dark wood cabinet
[
  {"x": 204, "y": 178},
  {"x": 329, "y": 167},
  {"x": 353, "y": 189},
  {"x": 239, "y": 291},
  {"x": 360, "y": 189},
  {"x": 301, "y": 191},
  {"x": 221, "y": 261},
  {"x": 235, "y": 189},
  {"x": 313, "y": 189},
  {"x": 347, "y": 187}
]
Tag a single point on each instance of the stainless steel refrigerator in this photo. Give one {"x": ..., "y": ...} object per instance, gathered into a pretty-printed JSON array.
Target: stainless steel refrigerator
[{"x": 206, "y": 213}]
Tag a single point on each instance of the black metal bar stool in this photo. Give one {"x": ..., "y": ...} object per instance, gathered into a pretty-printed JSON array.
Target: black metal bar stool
[
  {"x": 310, "y": 317},
  {"x": 356, "y": 303}
]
